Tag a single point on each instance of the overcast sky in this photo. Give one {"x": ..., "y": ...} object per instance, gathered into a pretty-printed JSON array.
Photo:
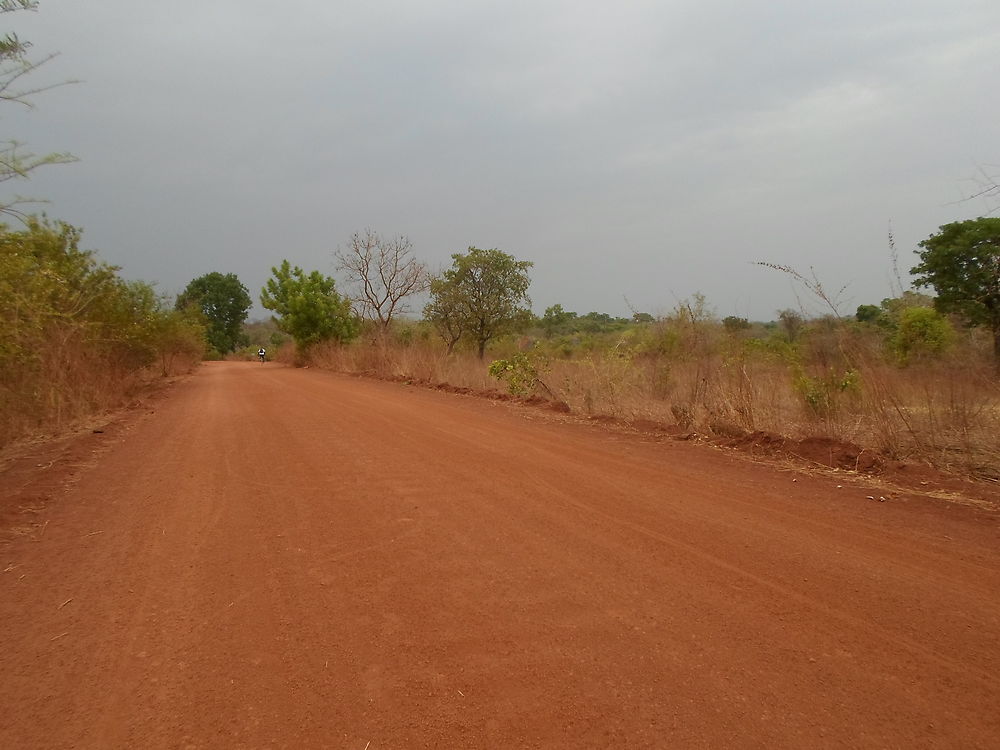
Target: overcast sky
[{"x": 641, "y": 150}]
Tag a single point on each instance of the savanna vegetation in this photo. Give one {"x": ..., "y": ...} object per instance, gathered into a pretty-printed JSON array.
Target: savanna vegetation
[
  {"x": 77, "y": 338},
  {"x": 913, "y": 375}
]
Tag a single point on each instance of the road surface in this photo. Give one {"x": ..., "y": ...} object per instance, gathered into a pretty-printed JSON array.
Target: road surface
[{"x": 281, "y": 558}]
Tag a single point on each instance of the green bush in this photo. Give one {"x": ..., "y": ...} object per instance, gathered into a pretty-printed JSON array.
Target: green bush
[{"x": 522, "y": 372}]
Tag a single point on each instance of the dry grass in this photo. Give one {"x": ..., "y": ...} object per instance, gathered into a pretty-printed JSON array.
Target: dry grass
[
  {"x": 70, "y": 382},
  {"x": 943, "y": 412}
]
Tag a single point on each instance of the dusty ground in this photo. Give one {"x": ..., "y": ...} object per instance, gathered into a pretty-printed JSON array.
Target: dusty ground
[{"x": 277, "y": 558}]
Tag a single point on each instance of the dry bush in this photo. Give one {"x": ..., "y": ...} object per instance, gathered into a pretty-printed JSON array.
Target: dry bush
[{"x": 77, "y": 339}]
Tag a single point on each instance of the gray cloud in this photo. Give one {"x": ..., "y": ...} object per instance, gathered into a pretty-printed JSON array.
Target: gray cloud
[{"x": 645, "y": 149}]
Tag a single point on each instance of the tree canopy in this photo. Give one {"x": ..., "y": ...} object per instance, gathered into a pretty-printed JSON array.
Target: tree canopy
[
  {"x": 484, "y": 295},
  {"x": 962, "y": 263},
  {"x": 224, "y": 302},
  {"x": 308, "y": 307}
]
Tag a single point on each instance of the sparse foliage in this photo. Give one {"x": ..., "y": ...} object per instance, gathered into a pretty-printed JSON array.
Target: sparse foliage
[
  {"x": 382, "y": 273},
  {"x": 791, "y": 322},
  {"x": 15, "y": 66},
  {"x": 522, "y": 372},
  {"x": 813, "y": 285}
]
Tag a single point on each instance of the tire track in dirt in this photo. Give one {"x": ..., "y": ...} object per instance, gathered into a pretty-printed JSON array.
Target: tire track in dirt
[{"x": 296, "y": 559}]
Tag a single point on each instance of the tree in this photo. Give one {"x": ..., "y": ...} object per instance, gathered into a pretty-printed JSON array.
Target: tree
[
  {"x": 308, "y": 307},
  {"x": 735, "y": 324},
  {"x": 556, "y": 321},
  {"x": 890, "y": 312},
  {"x": 446, "y": 312},
  {"x": 14, "y": 67},
  {"x": 962, "y": 263},
  {"x": 224, "y": 302},
  {"x": 484, "y": 295},
  {"x": 870, "y": 314},
  {"x": 792, "y": 321},
  {"x": 383, "y": 273}
]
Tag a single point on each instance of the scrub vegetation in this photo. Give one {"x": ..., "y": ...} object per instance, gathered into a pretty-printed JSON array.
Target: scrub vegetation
[
  {"x": 77, "y": 338},
  {"x": 912, "y": 384},
  {"x": 912, "y": 377}
]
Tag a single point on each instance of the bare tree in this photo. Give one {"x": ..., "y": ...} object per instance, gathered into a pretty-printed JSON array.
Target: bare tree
[{"x": 381, "y": 272}]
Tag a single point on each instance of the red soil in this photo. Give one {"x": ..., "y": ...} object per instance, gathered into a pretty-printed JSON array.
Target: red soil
[{"x": 287, "y": 558}]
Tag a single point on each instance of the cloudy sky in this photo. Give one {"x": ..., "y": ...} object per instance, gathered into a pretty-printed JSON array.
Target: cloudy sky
[{"x": 637, "y": 150}]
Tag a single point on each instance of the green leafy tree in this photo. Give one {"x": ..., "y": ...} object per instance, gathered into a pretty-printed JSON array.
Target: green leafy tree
[
  {"x": 15, "y": 66},
  {"x": 962, "y": 263},
  {"x": 308, "y": 307},
  {"x": 870, "y": 314},
  {"x": 224, "y": 302},
  {"x": 556, "y": 321},
  {"x": 483, "y": 296}
]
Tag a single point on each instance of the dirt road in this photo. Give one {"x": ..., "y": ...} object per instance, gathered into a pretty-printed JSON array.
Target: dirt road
[{"x": 280, "y": 558}]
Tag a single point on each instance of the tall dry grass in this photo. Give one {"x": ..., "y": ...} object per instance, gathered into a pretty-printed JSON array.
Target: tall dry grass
[
  {"x": 843, "y": 386},
  {"x": 71, "y": 382}
]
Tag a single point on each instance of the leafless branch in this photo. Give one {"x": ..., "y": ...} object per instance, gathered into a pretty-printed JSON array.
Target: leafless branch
[
  {"x": 382, "y": 273},
  {"x": 987, "y": 187},
  {"x": 812, "y": 284}
]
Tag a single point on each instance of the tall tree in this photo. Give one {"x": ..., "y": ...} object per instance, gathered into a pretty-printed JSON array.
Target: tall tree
[
  {"x": 224, "y": 302},
  {"x": 485, "y": 296},
  {"x": 962, "y": 263},
  {"x": 308, "y": 307},
  {"x": 15, "y": 66},
  {"x": 383, "y": 273}
]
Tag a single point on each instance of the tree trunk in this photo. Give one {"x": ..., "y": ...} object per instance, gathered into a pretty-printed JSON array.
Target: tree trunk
[{"x": 482, "y": 350}]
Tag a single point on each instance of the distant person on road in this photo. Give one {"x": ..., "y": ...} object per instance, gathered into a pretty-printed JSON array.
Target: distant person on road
[{"x": 262, "y": 353}]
